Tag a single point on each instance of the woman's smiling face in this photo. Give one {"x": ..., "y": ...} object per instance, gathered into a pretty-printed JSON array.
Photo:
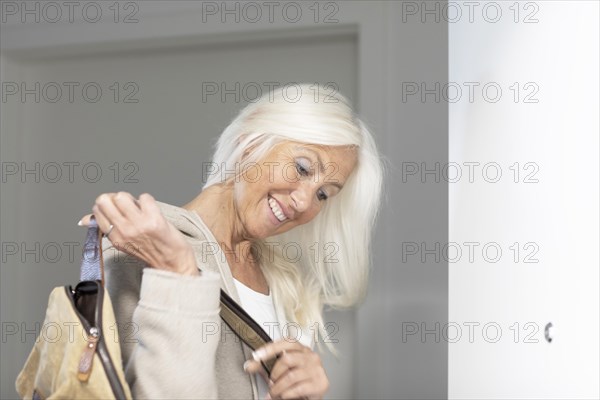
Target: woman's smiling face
[{"x": 290, "y": 185}]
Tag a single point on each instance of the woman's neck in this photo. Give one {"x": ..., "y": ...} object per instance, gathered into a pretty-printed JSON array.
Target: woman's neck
[{"x": 215, "y": 207}]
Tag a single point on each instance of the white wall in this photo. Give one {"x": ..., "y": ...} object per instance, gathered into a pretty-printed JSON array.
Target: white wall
[{"x": 550, "y": 209}]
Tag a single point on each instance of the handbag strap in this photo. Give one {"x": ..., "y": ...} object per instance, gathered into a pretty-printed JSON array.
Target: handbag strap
[
  {"x": 92, "y": 266},
  {"x": 251, "y": 333},
  {"x": 245, "y": 327}
]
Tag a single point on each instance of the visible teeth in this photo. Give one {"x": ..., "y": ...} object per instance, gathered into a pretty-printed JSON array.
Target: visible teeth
[{"x": 276, "y": 210}]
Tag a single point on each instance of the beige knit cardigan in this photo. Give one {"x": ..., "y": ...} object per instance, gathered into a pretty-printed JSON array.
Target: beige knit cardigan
[{"x": 174, "y": 344}]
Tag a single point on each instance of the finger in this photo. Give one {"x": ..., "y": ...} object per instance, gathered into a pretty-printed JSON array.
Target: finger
[
  {"x": 301, "y": 390},
  {"x": 106, "y": 203},
  {"x": 263, "y": 373},
  {"x": 107, "y": 214},
  {"x": 271, "y": 349},
  {"x": 255, "y": 367},
  {"x": 147, "y": 203},
  {"x": 101, "y": 220},
  {"x": 288, "y": 360},
  {"x": 292, "y": 378},
  {"x": 127, "y": 206},
  {"x": 152, "y": 215},
  {"x": 252, "y": 367},
  {"x": 85, "y": 221}
]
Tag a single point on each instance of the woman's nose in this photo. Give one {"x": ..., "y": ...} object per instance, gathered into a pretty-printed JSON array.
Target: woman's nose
[{"x": 301, "y": 197}]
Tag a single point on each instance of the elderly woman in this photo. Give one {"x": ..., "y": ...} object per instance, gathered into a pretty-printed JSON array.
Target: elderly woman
[{"x": 283, "y": 225}]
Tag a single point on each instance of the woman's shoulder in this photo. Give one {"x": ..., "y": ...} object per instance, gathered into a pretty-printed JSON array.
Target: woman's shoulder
[
  {"x": 186, "y": 221},
  {"x": 189, "y": 223}
]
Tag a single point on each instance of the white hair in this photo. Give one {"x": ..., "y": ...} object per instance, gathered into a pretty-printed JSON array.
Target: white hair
[{"x": 333, "y": 268}]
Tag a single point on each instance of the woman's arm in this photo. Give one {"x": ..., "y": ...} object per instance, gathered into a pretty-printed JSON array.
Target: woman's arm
[
  {"x": 169, "y": 304},
  {"x": 168, "y": 325}
]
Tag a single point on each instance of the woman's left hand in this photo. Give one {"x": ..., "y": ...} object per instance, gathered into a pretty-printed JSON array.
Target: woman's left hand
[{"x": 297, "y": 373}]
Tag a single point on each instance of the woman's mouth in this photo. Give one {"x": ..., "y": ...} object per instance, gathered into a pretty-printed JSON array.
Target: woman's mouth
[{"x": 276, "y": 209}]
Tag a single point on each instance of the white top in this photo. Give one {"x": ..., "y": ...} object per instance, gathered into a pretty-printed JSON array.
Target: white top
[
  {"x": 269, "y": 316},
  {"x": 261, "y": 309}
]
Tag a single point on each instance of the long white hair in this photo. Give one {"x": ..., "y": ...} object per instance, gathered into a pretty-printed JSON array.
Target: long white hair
[{"x": 330, "y": 260}]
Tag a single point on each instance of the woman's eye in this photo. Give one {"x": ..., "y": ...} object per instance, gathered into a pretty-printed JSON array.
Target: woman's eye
[
  {"x": 301, "y": 169},
  {"x": 322, "y": 195}
]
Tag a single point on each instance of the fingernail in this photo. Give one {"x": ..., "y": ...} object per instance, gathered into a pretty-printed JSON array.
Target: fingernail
[
  {"x": 258, "y": 354},
  {"x": 246, "y": 363},
  {"x": 80, "y": 222}
]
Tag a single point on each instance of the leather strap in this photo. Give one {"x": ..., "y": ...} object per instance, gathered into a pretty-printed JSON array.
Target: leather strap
[
  {"x": 251, "y": 333},
  {"x": 245, "y": 327},
  {"x": 92, "y": 265}
]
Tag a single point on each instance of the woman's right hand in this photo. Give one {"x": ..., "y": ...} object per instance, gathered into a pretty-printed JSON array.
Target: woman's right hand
[{"x": 140, "y": 229}]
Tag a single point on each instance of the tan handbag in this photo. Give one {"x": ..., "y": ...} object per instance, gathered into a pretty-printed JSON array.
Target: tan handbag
[{"x": 84, "y": 361}]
